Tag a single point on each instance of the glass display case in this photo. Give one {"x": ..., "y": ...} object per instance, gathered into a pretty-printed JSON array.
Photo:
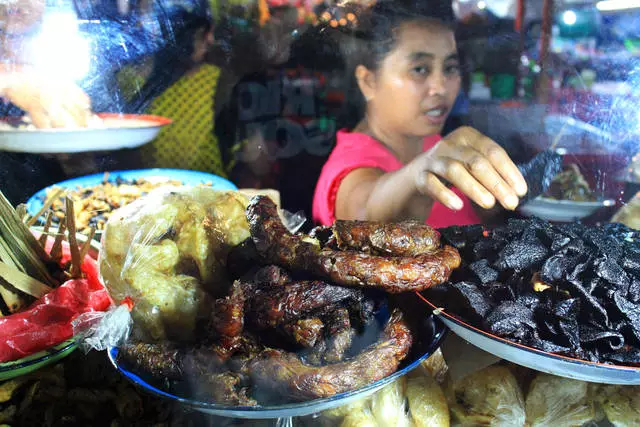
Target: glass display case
[{"x": 319, "y": 213}]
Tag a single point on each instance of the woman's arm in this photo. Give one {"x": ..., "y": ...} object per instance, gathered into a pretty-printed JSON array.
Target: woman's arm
[
  {"x": 470, "y": 161},
  {"x": 49, "y": 102},
  {"x": 371, "y": 194}
]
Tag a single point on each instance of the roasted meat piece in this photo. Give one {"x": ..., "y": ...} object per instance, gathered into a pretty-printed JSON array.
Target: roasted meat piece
[
  {"x": 227, "y": 317},
  {"x": 160, "y": 360},
  {"x": 339, "y": 335},
  {"x": 408, "y": 238},
  {"x": 271, "y": 275},
  {"x": 273, "y": 306},
  {"x": 223, "y": 388},
  {"x": 305, "y": 332},
  {"x": 350, "y": 268},
  {"x": 286, "y": 373}
]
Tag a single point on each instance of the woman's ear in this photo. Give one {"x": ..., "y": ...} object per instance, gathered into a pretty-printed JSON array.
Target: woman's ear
[{"x": 366, "y": 82}]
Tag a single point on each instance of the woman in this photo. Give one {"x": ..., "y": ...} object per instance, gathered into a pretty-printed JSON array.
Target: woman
[
  {"x": 182, "y": 86},
  {"x": 394, "y": 164}
]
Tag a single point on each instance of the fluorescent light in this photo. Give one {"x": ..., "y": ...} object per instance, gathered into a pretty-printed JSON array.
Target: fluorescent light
[
  {"x": 606, "y": 5},
  {"x": 569, "y": 17},
  {"x": 482, "y": 5}
]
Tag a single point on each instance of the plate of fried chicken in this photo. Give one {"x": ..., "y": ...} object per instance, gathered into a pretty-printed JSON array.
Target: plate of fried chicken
[{"x": 308, "y": 323}]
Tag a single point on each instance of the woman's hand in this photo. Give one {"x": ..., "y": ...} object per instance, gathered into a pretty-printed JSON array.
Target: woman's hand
[
  {"x": 51, "y": 103},
  {"x": 474, "y": 164}
]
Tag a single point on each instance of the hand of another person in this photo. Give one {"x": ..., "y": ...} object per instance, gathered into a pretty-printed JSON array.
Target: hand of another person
[
  {"x": 51, "y": 103},
  {"x": 474, "y": 164}
]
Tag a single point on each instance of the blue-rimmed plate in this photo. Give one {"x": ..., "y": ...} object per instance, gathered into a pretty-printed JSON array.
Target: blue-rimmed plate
[
  {"x": 539, "y": 360},
  {"x": 36, "y": 361},
  {"x": 187, "y": 177},
  {"x": 430, "y": 333}
]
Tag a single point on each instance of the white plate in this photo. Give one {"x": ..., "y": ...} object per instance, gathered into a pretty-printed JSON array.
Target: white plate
[
  {"x": 119, "y": 131},
  {"x": 537, "y": 359},
  {"x": 562, "y": 210}
]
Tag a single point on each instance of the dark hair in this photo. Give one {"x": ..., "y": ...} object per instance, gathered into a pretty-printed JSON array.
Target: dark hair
[
  {"x": 378, "y": 33},
  {"x": 381, "y": 24}
]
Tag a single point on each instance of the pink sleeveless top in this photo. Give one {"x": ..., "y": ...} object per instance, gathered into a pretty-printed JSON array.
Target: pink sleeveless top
[{"x": 356, "y": 150}]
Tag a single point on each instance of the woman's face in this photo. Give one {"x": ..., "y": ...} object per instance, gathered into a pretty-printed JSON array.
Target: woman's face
[{"x": 417, "y": 83}]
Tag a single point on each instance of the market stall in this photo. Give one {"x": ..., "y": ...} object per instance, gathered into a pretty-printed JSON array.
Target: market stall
[{"x": 155, "y": 296}]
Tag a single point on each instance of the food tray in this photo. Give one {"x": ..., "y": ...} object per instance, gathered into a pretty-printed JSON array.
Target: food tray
[
  {"x": 537, "y": 359},
  {"x": 33, "y": 362},
  {"x": 36, "y": 361},
  {"x": 431, "y": 333},
  {"x": 187, "y": 177},
  {"x": 562, "y": 210},
  {"x": 117, "y": 132}
]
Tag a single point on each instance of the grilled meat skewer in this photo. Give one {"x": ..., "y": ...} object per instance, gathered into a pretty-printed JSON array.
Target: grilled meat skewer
[
  {"x": 349, "y": 268},
  {"x": 408, "y": 238}
]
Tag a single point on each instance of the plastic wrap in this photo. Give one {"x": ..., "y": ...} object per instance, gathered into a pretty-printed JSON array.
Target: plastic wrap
[
  {"x": 436, "y": 366},
  {"x": 48, "y": 321},
  {"x": 489, "y": 397},
  {"x": 167, "y": 251},
  {"x": 557, "y": 401},
  {"x": 335, "y": 415},
  {"x": 620, "y": 404},
  {"x": 101, "y": 330},
  {"x": 388, "y": 405},
  {"x": 427, "y": 402},
  {"x": 360, "y": 417}
]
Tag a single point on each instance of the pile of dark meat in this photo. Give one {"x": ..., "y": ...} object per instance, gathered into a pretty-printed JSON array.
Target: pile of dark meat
[
  {"x": 566, "y": 289},
  {"x": 307, "y": 316}
]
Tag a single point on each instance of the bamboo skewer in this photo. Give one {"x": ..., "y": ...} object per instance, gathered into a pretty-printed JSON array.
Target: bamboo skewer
[
  {"x": 23, "y": 282},
  {"x": 57, "y": 193},
  {"x": 56, "y": 249},
  {"x": 45, "y": 232},
  {"x": 24, "y": 270},
  {"x": 85, "y": 247},
  {"x": 22, "y": 246},
  {"x": 76, "y": 261}
]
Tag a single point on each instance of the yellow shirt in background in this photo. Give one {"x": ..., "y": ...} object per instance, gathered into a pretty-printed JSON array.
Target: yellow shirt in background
[{"x": 189, "y": 142}]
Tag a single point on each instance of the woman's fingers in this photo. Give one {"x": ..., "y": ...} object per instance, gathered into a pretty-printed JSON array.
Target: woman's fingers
[
  {"x": 502, "y": 163},
  {"x": 457, "y": 174},
  {"x": 500, "y": 160},
  {"x": 429, "y": 185},
  {"x": 484, "y": 171}
]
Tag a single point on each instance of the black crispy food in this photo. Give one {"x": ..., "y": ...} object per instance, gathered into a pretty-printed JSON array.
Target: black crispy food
[
  {"x": 539, "y": 173},
  {"x": 569, "y": 289},
  {"x": 347, "y": 268}
]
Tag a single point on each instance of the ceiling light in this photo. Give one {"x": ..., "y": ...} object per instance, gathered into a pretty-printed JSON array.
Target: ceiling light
[
  {"x": 607, "y": 5},
  {"x": 569, "y": 17}
]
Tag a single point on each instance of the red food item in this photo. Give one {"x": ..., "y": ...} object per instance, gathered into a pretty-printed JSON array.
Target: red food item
[{"x": 48, "y": 321}]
